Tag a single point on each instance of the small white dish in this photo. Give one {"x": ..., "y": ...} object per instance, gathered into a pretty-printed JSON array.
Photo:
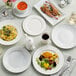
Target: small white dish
[
  {"x": 25, "y": 14},
  {"x": 64, "y": 36},
  {"x": 34, "y": 25},
  {"x": 16, "y": 59},
  {"x": 15, "y": 24},
  {"x": 21, "y": 11},
  {"x": 39, "y": 51},
  {"x": 49, "y": 19}
]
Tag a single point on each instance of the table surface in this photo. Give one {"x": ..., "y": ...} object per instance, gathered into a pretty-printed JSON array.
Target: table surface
[{"x": 31, "y": 71}]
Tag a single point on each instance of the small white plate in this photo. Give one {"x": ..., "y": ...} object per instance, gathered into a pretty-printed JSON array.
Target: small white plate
[
  {"x": 27, "y": 13},
  {"x": 40, "y": 51},
  {"x": 64, "y": 36},
  {"x": 16, "y": 59},
  {"x": 16, "y": 25},
  {"x": 34, "y": 25},
  {"x": 49, "y": 19}
]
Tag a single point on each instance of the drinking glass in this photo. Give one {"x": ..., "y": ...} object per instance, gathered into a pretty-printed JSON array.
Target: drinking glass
[{"x": 72, "y": 19}]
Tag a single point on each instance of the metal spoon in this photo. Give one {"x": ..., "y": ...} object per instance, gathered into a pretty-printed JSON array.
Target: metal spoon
[{"x": 4, "y": 13}]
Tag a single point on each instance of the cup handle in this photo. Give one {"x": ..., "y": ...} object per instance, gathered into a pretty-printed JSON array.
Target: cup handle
[{"x": 50, "y": 42}]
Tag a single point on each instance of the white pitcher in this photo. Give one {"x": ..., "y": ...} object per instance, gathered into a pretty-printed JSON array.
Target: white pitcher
[{"x": 29, "y": 43}]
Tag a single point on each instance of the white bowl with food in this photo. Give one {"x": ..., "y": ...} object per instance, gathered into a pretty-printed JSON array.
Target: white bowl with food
[
  {"x": 48, "y": 60},
  {"x": 10, "y": 33}
]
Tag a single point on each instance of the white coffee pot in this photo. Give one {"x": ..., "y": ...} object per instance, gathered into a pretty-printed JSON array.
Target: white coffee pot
[{"x": 29, "y": 43}]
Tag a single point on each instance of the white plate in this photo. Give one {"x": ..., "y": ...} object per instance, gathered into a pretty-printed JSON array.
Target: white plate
[
  {"x": 34, "y": 25},
  {"x": 48, "y": 48},
  {"x": 27, "y": 13},
  {"x": 16, "y": 25},
  {"x": 64, "y": 36},
  {"x": 16, "y": 59},
  {"x": 49, "y": 19}
]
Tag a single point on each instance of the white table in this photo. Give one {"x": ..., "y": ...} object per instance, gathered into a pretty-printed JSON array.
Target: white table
[{"x": 31, "y": 71}]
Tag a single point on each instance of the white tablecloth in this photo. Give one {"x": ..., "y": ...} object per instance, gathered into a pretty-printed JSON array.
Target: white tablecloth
[{"x": 31, "y": 71}]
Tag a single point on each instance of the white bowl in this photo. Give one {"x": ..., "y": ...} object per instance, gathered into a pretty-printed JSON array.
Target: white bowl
[
  {"x": 64, "y": 36},
  {"x": 39, "y": 51},
  {"x": 16, "y": 25},
  {"x": 21, "y": 11}
]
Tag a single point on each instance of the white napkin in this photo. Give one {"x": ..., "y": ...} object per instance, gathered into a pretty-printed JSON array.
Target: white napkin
[{"x": 67, "y": 68}]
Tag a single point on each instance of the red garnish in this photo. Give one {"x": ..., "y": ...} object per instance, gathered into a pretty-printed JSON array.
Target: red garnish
[{"x": 49, "y": 68}]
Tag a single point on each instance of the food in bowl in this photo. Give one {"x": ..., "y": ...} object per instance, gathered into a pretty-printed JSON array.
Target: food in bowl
[
  {"x": 8, "y": 33},
  {"x": 22, "y": 6},
  {"x": 47, "y": 60},
  {"x": 49, "y": 9}
]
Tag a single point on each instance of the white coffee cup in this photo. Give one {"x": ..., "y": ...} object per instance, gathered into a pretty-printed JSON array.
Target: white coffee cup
[{"x": 45, "y": 38}]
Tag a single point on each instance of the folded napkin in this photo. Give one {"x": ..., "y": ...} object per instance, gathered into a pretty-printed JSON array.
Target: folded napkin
[{"x": 69, "y": 64}]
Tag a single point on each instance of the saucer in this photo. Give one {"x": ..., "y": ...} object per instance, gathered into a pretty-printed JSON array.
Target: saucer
[{"x": 27, "y": 13}]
